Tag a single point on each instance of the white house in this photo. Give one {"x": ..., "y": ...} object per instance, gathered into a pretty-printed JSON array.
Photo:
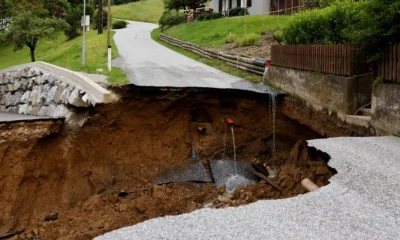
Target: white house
[{"x": 255, "y": 7}]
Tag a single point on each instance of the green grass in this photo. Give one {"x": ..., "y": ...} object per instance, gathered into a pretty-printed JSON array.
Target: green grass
[
  {"x": 68, "y": 54},
  {"x": 210, "y": 62},
  {"x": 142, "y": 11},
  {"x": 214, "y": 32}
]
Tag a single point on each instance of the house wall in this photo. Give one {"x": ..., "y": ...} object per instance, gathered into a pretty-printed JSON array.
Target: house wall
[{"x": 258, "y": 7}]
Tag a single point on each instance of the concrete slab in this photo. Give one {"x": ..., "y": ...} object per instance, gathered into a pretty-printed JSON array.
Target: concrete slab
[
  {"x": 361, "y": 202},
  {"x": 13, "y": 118},
  {"x": 194, "y": 171}
]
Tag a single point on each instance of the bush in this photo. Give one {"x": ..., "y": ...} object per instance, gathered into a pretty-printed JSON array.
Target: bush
[
  {"x": 209, "y": 16},
  {"x": 231, "y": 38},
  {"x": 323, "y": 26},
  {"x": 171, "y": 18},
  {"x": 119, "y": 24},
  {"x": 74, "y": 19},
  {"x": 238, "y": 11},
  {"x": 278, "y": 35},
  {"x": 95, "y": 21},
  {"x": 247, "y": 40}
]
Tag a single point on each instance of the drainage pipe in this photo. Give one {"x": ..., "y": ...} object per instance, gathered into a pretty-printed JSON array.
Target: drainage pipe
[
  {"x": 229, "y": 121},
  {"x": 309, "y": 185},
  {"x": 201, "y": 129}
]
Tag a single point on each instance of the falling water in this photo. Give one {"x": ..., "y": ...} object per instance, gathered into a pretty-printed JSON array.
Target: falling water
[
  {"x": 265, "y": 74},
  {"x": 234, "y": 149},
  {"x": 223, "y": 153},
  {"x": 273, "y": 110}
]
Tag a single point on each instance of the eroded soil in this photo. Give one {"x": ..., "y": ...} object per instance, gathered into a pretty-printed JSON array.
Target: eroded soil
[{"x": 78, "y": 173}]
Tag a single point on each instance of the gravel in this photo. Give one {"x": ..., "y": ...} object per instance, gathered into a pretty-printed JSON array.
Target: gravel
[{"x": 361, "y": 202}]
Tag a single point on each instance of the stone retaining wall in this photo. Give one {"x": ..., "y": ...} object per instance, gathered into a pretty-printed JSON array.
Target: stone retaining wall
[{"x": 34, "y": 91}]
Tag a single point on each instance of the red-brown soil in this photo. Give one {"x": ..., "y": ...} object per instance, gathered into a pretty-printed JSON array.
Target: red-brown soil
[{"x": 79, "y": 172}]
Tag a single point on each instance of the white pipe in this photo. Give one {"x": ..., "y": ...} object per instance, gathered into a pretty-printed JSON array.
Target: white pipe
[{"x": 309, "y": 185}]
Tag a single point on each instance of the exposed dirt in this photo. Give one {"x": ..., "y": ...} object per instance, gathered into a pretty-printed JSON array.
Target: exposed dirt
[
  {"x": 262, "y": 50},
  {"x": 79, "y": 173}
]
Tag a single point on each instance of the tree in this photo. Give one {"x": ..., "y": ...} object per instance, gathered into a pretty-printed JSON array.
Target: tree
[
  {"x": 6, "y": 12},
  {"x": 27, "y": 29},
  {"x": 183, "y": 4}
]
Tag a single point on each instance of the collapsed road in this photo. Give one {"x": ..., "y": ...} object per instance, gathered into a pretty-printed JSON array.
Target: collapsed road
[{"x": 98, "y": 175}]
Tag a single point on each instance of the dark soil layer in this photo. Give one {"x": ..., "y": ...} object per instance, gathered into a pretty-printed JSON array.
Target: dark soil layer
[{"x": 78, "y": 173}]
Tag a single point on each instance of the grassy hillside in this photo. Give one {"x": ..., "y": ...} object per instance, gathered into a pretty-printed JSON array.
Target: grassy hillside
[
  {"x": 142, "y": 11},
  {"x": 67, "y": 54},
  {"x": 214, "y": 32}
]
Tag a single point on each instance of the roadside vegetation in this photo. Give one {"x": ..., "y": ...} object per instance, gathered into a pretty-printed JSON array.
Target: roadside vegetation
[
  {"x": 215, "y": 32},
  {"x": 68, "y": 54},
  {"x": 220, "y": 65},
  {"x": 142, "y": 11},
  {"x": 50, "y": 31},
  {"x": 371, "y": 24}
]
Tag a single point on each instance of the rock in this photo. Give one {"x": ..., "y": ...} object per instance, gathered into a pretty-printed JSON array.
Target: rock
[
  {"x": 34, "y": 98},
  {"x": 122, "y": 207},
  {"x": 54, "y": 95},
  {"x": 141, "y": 204},
  {"x": 23, "y": 109},
  {"x": 25, "y": 97},
  {"x": 159, "y": 192},
  {"x": 76, "y": 99},
  {"x": 43, "y": 111},
  {"x": 60, "y": 111},
  {"x": 10, "y": 87},
  {"x": 15, "y": 100}
]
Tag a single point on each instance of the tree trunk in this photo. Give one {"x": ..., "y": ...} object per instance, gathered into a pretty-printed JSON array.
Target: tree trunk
[{"x": 32, "y": 54}]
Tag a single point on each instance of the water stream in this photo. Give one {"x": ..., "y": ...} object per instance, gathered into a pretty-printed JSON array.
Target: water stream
[
  {"x": 234, "y": 149},
  {"x": 272, "y": 111}
]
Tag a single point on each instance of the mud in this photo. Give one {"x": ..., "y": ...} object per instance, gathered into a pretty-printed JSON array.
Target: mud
[{"x": 78, "y": 173}]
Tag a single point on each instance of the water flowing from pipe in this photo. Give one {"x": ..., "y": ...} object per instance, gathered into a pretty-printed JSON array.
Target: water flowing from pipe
[
  {"x": 273, "y": 116},
  {"x": 234, "y": 149}
]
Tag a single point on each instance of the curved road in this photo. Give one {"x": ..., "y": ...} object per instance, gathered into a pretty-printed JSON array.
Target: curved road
[{"x": 148, "y": 63}]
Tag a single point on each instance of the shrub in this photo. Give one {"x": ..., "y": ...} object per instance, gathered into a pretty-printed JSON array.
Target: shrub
[
  {"x": 209, "y": 16},
  {"x": 171, "y": 18},
  {"x": 119, "y": 24},
  {"x": 278, "y": 35},
  {"x": 323, "y": 26},
  {"x": 238, "y": 11},
  {"x": 247, "y": 40},
  {"x": 74, "y": 19},
  {"x": 231, "y": 38}
]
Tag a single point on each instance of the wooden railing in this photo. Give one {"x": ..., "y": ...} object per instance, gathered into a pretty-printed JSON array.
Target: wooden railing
[
  {"x": 332, "y": 59},
  {"x": 246, "y": 63},
  {"x": 389, "y": 66}
]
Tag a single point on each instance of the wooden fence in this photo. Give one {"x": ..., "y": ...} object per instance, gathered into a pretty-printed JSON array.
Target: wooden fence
[
  {"x": 389, "y": 67},
  {"x": 332, "y": 59},
  {"x": 246, "y": 63}
]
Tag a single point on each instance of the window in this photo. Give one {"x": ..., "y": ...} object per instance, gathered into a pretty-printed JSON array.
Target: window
[{"x": 248, "y": 3}]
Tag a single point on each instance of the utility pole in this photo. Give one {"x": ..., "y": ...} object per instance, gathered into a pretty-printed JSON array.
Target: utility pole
[
  {"x": 84, "y": 34},
  {"x": 101, "y": 17},
  {"x": 109, "y": 35}
]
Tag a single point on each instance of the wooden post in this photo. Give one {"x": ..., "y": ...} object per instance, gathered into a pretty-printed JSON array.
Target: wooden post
[{"x": 100, "y": 17}]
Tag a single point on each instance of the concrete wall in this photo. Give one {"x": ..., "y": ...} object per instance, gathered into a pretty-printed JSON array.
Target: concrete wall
[
  {"x": 342, "y": 95},
  {"x": 386, "y": 108}
]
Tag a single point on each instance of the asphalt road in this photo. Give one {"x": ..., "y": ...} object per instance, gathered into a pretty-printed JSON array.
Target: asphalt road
[
  {"x": 148, "y": 63},
  {"x": 12, "y": 117},
  {"x": 361, "y": 202}
]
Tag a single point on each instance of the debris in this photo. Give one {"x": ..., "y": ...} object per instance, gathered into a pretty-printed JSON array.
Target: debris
[
  {"x": 267, "y": 180},
  {"x": 309, "y": 185},
  {"x": 10, "y": 235},
  {"x": 51, "y": 217}
]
